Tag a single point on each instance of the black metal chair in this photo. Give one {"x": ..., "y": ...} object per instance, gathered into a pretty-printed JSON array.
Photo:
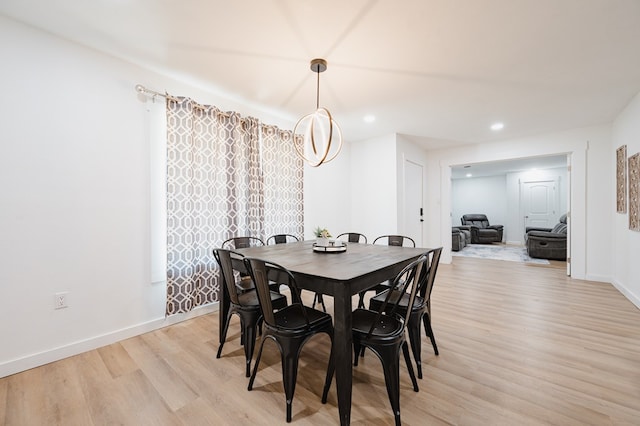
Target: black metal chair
[
  {"x": 383, "y": 332},
  {"x": 353, "y": 237},
  {"x": 282, "y": 239},
  {"x": 421, "y": 310},
  {"x": 245, "y": 283},
  {"x": 290, "y": 327},
  {"x": 391, "y": 240},
  {"x": 288, "y": 238},
  {"x": 244, "y": 304}
]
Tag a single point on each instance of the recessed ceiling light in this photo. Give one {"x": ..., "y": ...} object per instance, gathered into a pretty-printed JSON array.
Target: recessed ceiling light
[
  {"x": 469, "y": 175},
  {"x": 369, "y": 118},
  {"x": 497, "y": 126}
]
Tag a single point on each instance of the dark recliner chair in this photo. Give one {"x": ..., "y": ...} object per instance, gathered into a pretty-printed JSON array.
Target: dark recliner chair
[
  {"x": 481, "y": 231},
  {"x": 548, "y": 243}
]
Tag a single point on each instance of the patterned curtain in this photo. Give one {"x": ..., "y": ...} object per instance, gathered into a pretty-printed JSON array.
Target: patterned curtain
[
  {"x": 283, "y": 178},
  {"x": 216, "y": 189}
]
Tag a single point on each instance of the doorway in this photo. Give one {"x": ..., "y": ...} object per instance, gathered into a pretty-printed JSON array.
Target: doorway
[{"x": 515, "y": 193}]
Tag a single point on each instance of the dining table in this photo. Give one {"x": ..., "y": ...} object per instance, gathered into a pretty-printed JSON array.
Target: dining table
[{"x": 340, "y": 274}]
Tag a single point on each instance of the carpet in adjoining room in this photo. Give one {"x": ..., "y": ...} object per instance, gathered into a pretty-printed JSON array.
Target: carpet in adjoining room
[{"x": 510, "y": 253}]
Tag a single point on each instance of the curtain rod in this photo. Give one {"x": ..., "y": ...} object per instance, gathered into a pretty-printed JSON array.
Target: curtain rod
[{"x": 141, "y": 89}]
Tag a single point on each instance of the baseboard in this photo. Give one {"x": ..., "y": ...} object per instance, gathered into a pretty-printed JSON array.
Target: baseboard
[
  {"x": 35, "y": 360},
  {"x": 633, "y": 298},
  {"x": 598, "y": 278}
]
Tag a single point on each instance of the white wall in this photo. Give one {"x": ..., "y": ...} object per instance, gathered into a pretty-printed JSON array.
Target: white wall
[
  {"x": 626, "y": 243},
  {"x": 361, "y": 190},
  {"x": 590, "y": 204},
  {"x": 327, "y": 191},
  {"x": 484, "y": 195},
  {"x": 75, "y": 185},
  {"x": 374, "y": 193}
]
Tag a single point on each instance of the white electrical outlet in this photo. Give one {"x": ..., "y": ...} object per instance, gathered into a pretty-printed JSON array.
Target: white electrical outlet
[{"x": 60, "y": 300}]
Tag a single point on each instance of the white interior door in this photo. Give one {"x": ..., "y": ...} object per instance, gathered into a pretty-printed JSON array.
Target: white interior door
[
  {"x": 539, "y": 203},
  {"x": 413, "y": 210}
]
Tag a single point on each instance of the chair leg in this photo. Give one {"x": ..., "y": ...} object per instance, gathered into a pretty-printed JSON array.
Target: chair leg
[
  {"x": 416, "y": 342},
  {"x": 318, "y": 299},
  {"x": 330, "y": 371},
  {"x": 407, "y": 358},
  {"x": 290, "y": 372},
  {"x": 224, "y": 333},
  {"x": 257, "y": 363},
  {"x": 356, "y": 352},
  {"x": 391, "y": 366},
  {"x": 249, "y": 344},
  {"x": 426, "y": 319}
]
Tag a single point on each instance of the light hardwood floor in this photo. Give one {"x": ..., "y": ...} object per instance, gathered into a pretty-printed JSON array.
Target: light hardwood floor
[{"x": 519, "y": 344}]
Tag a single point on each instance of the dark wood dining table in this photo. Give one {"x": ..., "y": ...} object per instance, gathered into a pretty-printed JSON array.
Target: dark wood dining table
[{"x": 341, "y": 275}]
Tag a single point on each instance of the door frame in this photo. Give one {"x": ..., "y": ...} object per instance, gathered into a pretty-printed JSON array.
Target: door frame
[
  {"x": 575, "y": 149},
  {"x": 420, "y": 238}
]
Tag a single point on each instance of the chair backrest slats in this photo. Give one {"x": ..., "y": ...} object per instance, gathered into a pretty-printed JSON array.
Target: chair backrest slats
[
  {"x": 431, "y": 268},
  {"x": 223, "y": 257},
  {"x": 353, "y": 237},
  {"x": 242, "y": 242},
  {"x": 258, "y": 272},
  {"x": 261, "y": 271},
  {"x": 282, "y": 238},
  {"x": 395, "y": 240}
]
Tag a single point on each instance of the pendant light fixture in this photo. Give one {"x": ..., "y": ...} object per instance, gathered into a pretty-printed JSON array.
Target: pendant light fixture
[{"x": 317, "y": 137}]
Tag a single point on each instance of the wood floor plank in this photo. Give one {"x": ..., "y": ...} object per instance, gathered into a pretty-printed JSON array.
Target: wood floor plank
[
  {"x": 64, "y": 399},
  {"x": 170, "y": 385},
  {"x": 104, "y": 398},
  {"x": 117, "y": 360},
  {"x": 26, "y": 404},
  {"x": 4, "y": 385},
  {"x": 519, "y": 344}
]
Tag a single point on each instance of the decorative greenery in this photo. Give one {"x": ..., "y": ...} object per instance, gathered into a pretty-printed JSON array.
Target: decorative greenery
[{"x": 322, "y": 233}]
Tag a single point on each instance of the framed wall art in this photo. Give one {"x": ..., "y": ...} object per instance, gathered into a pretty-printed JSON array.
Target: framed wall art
[
  {"x": 634, "y": 192},
  {"x": 621, "y": 179}
]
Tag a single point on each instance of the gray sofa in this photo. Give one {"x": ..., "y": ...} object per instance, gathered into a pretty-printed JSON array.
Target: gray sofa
[{"x": 548, "y": 243}]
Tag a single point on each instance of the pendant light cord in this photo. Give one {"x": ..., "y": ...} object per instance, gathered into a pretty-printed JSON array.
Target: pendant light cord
[{"x": 318, "y": 87}]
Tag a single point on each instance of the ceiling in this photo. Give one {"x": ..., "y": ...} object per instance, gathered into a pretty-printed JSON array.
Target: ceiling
[
  {"x": 437, "y": 71},
  {"x": 498, "y": 168}
]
